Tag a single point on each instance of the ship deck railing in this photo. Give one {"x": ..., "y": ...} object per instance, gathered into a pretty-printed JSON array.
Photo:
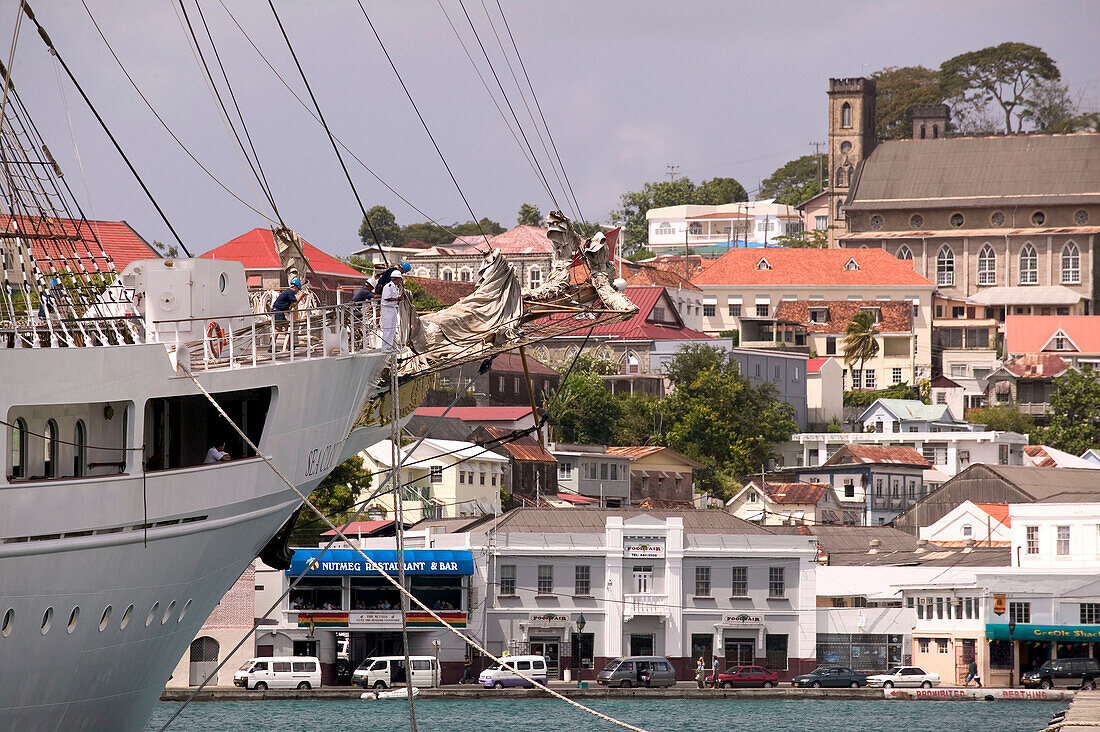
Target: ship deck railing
[{"x": 252, "y": 340}]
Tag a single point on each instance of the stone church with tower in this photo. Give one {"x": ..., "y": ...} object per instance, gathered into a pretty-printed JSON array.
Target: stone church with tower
[{"x": 1002, "y": 224}]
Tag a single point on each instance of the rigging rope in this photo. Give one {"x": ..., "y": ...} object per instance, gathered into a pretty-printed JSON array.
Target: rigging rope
[
  {"x": 95, "y": 112},
  {"x": 331, "y": 138}
]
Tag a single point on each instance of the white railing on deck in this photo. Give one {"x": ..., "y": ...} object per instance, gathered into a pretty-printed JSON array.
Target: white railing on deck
[
  {"x": 644, "y": 603},
  {"x": 307, "y": 333}
]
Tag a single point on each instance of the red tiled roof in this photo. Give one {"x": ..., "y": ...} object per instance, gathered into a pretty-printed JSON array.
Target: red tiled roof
[
  {"x": 640, "y": 274},
  {"x": 876, "y": 454},
  {"x": 897, "y": 316},
  {"x": 813, "y": 365},
  {"x": 120, "y": 242},
  {"x": 575, "y": 498},
  {"x": 822, "y": 267},
  {"x": 477, "y": 414},
  {"x": 359, "y": 527},
  {"x": 1037, "y": 366},
  {"x": 512, "y": 361},
  {"x": 446, "y": 292},
  {"x": 998, "y": 511},
  {"x": 1033, "y": 333},
  {"x": 522, "y": 240},
  {"x": 523, "y": 449},
  {"x": 256, "y": 250},
  {"x": 638, "y": 329}
]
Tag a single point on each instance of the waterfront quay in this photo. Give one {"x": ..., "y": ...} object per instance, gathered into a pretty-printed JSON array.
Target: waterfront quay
[{"x": 1083, "y": 714}]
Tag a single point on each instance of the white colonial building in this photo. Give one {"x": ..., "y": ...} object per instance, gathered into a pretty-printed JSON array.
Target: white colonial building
[{"x": 1057, "y": 534}]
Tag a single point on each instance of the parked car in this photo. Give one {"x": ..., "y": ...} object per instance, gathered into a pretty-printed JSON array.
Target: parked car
[
  {"x": 279, "y": 672},
  {"x": 904, "y": 676},
  {"x": 637, "y": 671},
  {"x": 745, "y": 676},
  {"x": 500, "y": 675},
  {"x": 1074, "y": 673},
  {"x": 830, "y": 677},
  {"x": 382, "y": 672}
]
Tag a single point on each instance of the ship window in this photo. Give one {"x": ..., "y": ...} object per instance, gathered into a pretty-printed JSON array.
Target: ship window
[
  {"x": 106, "y": 618},
  {"x": 19, "y": 449},
  {"x": 9, "y": 621},
  {"x": 179, "y": 431},
  {"x": 80, "y": 441},
  {"x": 152, "y": 614},
  {"x": 47, "y": 620},
  {"x": 49, "y": 449},
  {"x": 72, "y": 620},
  {"x": 126, "y": 617},
  {"x": 183, "y": 612},
  {"x": 171, "y": 607}
]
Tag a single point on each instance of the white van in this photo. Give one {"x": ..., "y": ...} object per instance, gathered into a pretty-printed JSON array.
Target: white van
[
  {"x": 280, "y": 672},
  {"x": 382, "y": 672},
  {"x": 499, "y": 676}
]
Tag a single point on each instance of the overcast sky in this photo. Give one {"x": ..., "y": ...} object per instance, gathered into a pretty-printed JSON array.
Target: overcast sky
[{"x": 718, "y": 88}]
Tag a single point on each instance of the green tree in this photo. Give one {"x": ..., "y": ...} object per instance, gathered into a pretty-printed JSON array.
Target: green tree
[
  {"x": 812, "y": 239},
  {"x": 634, "y": 204},
  {"x": 384, "y": 223},
  {"x": 1053, "y": 110},
  {"x": 422, "y": 301},
  {"x": 898, "y": 90},
  {"x": 639, "y": 420},
  {"x": 336, "y": 498},
  {"x": 639, "y": 255},
  {"x": 168, "y": 251},
  {"x": 1007, "y": 75},
  {"x": 529, "y": 215},
  {"x": 694, "y": 358},
  {"x": 896, "y": 391},
  {"x": 1074, "y": 424},
  {"x": 582, "y": 410},
  {"x": 1003, "y": 417},
  {"x": 860, "y": 345},
  {"x": 796, "y": 181}
]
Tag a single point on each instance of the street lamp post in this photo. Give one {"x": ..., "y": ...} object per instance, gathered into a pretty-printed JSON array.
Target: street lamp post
[
  {"x": 435, "y": 645},
  {"x": 1012, "y": 652}
]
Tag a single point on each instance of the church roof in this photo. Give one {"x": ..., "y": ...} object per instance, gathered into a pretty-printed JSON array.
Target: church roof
[{"x": 980, "y": 171}]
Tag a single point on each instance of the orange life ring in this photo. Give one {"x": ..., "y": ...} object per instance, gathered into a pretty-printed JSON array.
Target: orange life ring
[{"x": 217, "y": 338}]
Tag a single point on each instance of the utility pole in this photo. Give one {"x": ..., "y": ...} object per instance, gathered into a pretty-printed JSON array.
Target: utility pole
[
  {"x": 672, "y": 168},
  {"x": 820, "y": 161}
]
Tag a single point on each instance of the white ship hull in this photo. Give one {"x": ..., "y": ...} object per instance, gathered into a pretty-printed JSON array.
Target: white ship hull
[{"x": 167, "y": 544}]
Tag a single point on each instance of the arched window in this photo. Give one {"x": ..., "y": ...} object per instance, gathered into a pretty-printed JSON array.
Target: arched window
[
  {"x": 663, "y": 229},
  {"x": 422, "y": 272},
  {"x": 1071, "y": 264},
  {"x": 1029, "y": 265},
  {"x": 49, "y": 451},
  {"x": 542, "y": 353},
  {"x": 935, "y": 132},
  {"x": 448, "y": 275},
  {"x": 19, "y": 449},
  {"x": 464, "y": 274},
  {"x": 987, "y": 266},
  {"x": 905, "y": 252},
  {"x": 840, "y": 176},
  {"x": 945, "y": 267},
  {"x": 846, "y": 115},
  {"x": 695, "y": 228},
  {"x": 631, "y": 364},
  {"x": 851, "y": 175},
  {"x": 570, "y": 353},
  {"x": 839, "y": 210},
  {"x": 923, "y": 132},
  {"x": 535, "y": 277},
  {"x": 80, "y": 441}
]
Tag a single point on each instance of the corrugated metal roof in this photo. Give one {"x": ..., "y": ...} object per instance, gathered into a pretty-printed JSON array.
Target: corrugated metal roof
[
  {"x": 594, "y": 521},
  {"x": 639, "y": 328},
  {"x": 634, "y": 452},
  {"x": 1040, "y": 483},
  {"x": 876, "y": 454},
  {"x": 523, "y": 449},
  {"x": 980, "y": 171}
]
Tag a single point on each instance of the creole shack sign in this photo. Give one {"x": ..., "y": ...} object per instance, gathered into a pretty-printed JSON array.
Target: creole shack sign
[{"x": 644, "y": 548}]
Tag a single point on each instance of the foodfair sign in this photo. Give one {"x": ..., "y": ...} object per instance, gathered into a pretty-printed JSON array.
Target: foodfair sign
[
  {"x": 742, "y": 619},
  {"x": 637, "y": 548},
  {"x": 546, "y": 619}
]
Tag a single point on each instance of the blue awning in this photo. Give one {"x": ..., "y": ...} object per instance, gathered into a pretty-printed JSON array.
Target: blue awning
[{"x": 342, "y": 562}]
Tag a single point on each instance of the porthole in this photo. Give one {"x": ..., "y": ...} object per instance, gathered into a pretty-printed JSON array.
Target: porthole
[
  {"x": 956, "y": 220},
  {"x": 1038, "y": 218},
  {"x": 9, "y": 622},
  {"x": 47, "y": 620},
  {"x": 72, "y": 620},
  {"x": 183, "y": 612},
  {"x": 126, "y": 617},
  {"x": 105, "y": 619},
  {"x": 998, "y": 218},
  {"x": 845, "y": 147},
  {"x": 223, "y": 282},
  {"x": 1081, "y": 217},
  {"x": 876, "y": 222},
  {"x": 168, "y": 612},
  {"x": 916, "y": 221},
  {"x": 152, "y": 614}
]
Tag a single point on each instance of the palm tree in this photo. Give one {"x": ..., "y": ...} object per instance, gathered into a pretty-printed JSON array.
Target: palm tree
[{"x": 859, "y": 339}]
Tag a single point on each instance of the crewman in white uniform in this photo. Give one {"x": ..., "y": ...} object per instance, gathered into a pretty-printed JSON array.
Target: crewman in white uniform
[{"x": 391, "y": 298}]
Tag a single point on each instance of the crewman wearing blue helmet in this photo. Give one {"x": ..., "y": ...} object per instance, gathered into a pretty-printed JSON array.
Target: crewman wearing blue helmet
[
  {"x": 46, "y": 301},
  {"x": 286, "y": 300},
  {"x": 387, "y": 274}
]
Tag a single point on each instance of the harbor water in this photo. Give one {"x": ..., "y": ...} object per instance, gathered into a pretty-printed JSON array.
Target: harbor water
[{"x": 548, "y": 715}]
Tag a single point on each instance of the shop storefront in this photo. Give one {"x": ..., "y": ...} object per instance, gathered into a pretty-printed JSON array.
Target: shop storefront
[
  {"x": 1026, "y": 647},
  {"x": 343, "y": 611}
]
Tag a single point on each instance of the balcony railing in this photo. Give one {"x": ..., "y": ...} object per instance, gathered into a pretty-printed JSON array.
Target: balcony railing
[{"x": 644, "y": 603}]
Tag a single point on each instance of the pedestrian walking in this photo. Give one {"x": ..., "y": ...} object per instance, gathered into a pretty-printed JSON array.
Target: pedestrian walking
[
  {"x": 714, "y": 673},
  {"x": 700, "y": 673},
  {"x": 972, "y": 674}
]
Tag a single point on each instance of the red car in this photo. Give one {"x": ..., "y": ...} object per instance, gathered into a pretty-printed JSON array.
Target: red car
[{"x": 745, "y": 676}]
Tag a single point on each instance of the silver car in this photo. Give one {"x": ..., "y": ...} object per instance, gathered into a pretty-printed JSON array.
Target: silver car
[{"x": 637, "y": 671}]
